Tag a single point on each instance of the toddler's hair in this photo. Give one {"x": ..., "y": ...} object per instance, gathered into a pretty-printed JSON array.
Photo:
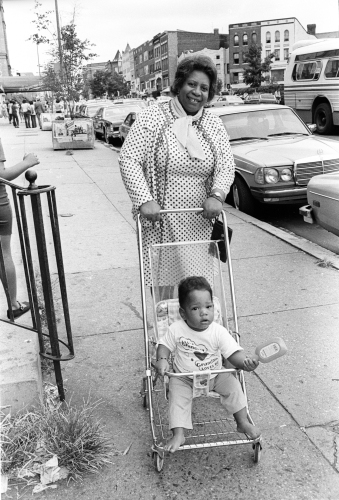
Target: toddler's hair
[{"x": 188, "y": 285}]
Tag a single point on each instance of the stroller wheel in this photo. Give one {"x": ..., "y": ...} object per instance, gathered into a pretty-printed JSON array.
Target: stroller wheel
[
  {"x": 257, "y": 452},
  {"x": 157, "y": 461}
]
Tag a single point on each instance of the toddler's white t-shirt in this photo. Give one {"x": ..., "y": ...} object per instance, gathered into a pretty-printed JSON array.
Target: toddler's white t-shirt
[{"x": 198, "y": 351}]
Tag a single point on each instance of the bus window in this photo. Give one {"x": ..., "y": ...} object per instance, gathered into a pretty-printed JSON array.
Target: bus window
[
  {"x": 332, "y": 68},
  {"x": 306, "y": 71}
]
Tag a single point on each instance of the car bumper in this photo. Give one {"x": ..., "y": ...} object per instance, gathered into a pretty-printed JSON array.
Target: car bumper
[{"x": 280, "y": 196}]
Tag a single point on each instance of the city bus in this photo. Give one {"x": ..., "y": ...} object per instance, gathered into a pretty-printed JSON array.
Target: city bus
[{"x": 311, "y": 82}]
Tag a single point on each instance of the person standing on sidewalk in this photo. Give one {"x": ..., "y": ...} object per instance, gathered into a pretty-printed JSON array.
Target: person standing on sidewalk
[
  {"x": 21, "y": 113},
  {"x": 33, "y": 115},
  {"x": 10, "y": 115},
  {"x": 26, "y": 108},
  {"x": 6, "y": 221},
  {"x": 15, "y": 114},
  {"x": 39, "y": 109}
]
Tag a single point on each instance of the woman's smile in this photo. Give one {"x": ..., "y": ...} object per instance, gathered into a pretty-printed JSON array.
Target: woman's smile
[{"x": 193, "y": 94}]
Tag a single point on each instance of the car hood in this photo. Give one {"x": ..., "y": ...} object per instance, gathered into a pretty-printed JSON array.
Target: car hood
[{"x": 275, "y": 152}]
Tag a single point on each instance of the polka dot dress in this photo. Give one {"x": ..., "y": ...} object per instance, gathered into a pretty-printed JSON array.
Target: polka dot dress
[{"x": 154, "y": 167}]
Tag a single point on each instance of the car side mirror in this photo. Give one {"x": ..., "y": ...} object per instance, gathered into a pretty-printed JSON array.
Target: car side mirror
[{"x": 312, "y": 127}]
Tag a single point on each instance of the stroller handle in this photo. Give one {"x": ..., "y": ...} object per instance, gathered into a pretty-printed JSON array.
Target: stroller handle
[{"x": 180, "y": 210}]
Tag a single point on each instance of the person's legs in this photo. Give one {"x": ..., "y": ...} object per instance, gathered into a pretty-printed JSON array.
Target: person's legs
[
  {"x": 180, "y": 409},
  {"x": 233, "y": 399},
  {"x": 39, "y": 119},
  {"x": 33, "y": 121},
  {"x": 15, "y": 121},
  {"x": 10, "y": 270},
  {"x": 10, "y": 117},
  {"x": 27, "y": 120}
]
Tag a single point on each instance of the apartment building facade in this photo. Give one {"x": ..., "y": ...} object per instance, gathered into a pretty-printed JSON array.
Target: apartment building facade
[
  {"x": 156, "y": 61},
  {"x": 276, "y": 36}
]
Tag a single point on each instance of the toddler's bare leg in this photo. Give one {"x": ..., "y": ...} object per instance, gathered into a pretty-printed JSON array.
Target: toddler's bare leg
[
  {"x": 243, "y": 425},
  {"x": 176, "y": 440}
]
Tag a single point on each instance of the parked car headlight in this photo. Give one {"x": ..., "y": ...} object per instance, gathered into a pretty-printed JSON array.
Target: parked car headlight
[
  {"x": 271, "y": 175},
  {"x": 286, "y": 174}
]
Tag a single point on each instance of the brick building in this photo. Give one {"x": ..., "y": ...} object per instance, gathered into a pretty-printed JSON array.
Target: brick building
[
  {"x": 156, "y": 61},
  {"x": 276, "y": 36}
]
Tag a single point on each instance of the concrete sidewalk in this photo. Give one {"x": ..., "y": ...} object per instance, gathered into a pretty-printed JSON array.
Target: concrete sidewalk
[{"x": 280, "y": 291}]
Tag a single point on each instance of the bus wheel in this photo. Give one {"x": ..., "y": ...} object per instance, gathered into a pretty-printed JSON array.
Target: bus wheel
[{"x": 323, "y": 118}]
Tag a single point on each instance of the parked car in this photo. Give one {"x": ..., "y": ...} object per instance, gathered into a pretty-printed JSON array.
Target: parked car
[
  {"x": 126, "y": 124},
  {"x": 275, "y": 154},
  {"x": 225, "y": 100},
  {"x": 260, "y": 99},
  {"x": 90, "y": 108},
  {"x": 130, "y": 102},
  {"x": 108, "y": 120},
  {"x": 323, "y": 202}
]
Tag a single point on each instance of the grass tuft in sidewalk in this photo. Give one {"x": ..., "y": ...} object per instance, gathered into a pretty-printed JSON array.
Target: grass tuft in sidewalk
[{"x": 69, "y": 432}]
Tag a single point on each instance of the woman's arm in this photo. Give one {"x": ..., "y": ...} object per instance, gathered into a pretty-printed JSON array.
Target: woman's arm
[
  {"x": 132, "y": 159},
  {"x": 225, "y": 168},
  {"x": 11, "y": 173}
]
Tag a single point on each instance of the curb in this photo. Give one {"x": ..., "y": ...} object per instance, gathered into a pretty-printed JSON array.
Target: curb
[{"x": 297, "y": 241}]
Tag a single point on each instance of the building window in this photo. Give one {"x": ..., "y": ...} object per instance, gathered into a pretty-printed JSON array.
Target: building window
[
  {"x": 217, "y": 57},
  {"x": 236, "y": 41},
  {"x": 150, "y": 54},
  {"x": 235, "y": 77},
  {"x": 218, "y": 67},
  {"x": 286, "y": 54},
  {"x": 245, "y": 39},
  {"x": 236, "y": 57},
  {"x": 277, "y": 36},
  {"x": 286, "y": 36},
  {"x": 140, "y": 59},
  {"x": 268, "y": 52},
  {"x": 254, "y": 38},
  {"x": 164, "y": 48},
  {"x": 268, "y": 37},
  {"x": 164, "y": 64},
  {"x": 277, "y": 54},
  {"x": 146, "y": 69},
  {"x": 146, "y": 55}
]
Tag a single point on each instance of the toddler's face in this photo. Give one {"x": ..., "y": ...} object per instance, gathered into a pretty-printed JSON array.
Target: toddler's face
[{"x": 198, "y": 310}]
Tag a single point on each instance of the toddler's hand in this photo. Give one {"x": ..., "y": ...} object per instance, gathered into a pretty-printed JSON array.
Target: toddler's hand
[
  {"x": 250, "y": 364},
  {"x": 161, "y": 366}
]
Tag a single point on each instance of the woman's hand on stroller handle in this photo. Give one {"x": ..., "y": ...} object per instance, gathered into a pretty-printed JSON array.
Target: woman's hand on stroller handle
[
  {"x": 151, "y": 210},
  {"x": 211, "y": 208}
]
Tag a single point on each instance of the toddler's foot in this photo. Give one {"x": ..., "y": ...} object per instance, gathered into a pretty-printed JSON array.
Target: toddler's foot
[
  {"x": 175, "y": 442},
  {"x": 249, "y": 429}
]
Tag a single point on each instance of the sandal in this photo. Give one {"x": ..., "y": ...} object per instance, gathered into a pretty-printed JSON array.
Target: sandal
[{"x": 23, "y": 308}]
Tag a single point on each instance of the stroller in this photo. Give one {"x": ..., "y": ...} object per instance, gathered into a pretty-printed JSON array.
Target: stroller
[{"x": 211, "y": 427}]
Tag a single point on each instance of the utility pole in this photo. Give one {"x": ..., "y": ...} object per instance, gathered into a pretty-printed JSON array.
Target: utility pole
[{"x": 59, "y": 37}]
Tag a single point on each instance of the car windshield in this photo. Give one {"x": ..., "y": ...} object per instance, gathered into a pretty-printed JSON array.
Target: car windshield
[
  {"x": 92, "y": 110},
  {"x": 263, "y": 124}
]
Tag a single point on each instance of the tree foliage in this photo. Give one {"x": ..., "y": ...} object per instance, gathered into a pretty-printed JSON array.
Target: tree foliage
[
  {"x": 254, "y": 73},
  {"x": 111, "y": 84},
  {"x": 66, "y": 79}
]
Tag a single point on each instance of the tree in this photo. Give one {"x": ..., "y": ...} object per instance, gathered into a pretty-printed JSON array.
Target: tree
[
  {"x": 104, "y": 82},
  {"x": 254, "y": 72},
  {"x": 66, "y": 81}
]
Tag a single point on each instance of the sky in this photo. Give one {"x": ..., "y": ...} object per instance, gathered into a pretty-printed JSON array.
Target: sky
[{"x": 111, "y": 24}]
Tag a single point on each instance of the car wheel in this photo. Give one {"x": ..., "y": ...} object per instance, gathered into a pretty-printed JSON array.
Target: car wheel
[
  {"x": 242, "y": 198},
  {"x": 323, "y": 118},
  {"x": 106, "y": 138}
]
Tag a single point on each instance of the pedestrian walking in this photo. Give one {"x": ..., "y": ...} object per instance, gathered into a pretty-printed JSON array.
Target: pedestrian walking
[
  {"x": 10, "y": 115},
  {"x": 21, "y": 113},
  {"x": 33, "y": 115},
  {"x": 26, "y": 109},
  {"x": 39, "y": 109},
  {"x": 15, "y": 114},
  {"x": 177, "y": 155},
  {"x": 6, "y": 221}
]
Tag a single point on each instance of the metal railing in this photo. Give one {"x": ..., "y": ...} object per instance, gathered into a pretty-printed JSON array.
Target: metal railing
[{"x": 40, "y": 266}]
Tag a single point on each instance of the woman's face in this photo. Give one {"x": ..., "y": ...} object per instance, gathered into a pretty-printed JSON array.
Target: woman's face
[{"x": 193, "y": 94}]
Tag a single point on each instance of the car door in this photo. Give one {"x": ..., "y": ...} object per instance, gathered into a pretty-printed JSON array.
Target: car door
[{"x": 97, "y": 121}]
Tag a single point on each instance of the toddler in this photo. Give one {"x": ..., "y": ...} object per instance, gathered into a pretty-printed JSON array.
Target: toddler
[{"x": 198, "y": 343}]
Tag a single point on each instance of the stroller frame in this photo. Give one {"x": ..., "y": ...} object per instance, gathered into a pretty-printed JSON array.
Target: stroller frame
[{"x": 150, "y": 393}]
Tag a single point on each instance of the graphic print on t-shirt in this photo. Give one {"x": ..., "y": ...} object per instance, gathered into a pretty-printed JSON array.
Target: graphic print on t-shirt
[{"x": 202, "y": 359}]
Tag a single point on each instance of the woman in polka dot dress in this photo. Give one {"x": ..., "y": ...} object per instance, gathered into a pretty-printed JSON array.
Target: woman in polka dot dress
[{"x": 177, "y": 155}]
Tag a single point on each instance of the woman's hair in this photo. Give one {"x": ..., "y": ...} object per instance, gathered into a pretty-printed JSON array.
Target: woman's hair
[
  {"x": 195, "y": 63},
  {"x": 188, "y": 285}
]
